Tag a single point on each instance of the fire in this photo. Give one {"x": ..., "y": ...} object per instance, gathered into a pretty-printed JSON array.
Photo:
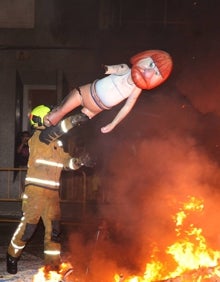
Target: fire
[
  {"x": 188, "y": 259},
  {"x": 50, "y": 276},
  {"x": 44, "y": 275}
]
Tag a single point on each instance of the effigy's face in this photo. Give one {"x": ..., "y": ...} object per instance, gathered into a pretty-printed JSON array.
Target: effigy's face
[
  {"x": 147, "y": 73},
  {"x": 149, "y": 68}
]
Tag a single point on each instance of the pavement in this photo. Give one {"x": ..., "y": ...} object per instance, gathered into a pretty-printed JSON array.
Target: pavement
[{"x": 32, "y": 257}]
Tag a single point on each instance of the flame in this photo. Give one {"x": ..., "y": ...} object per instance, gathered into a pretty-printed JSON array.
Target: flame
[
  {"x": 189, "y": 256},
  {"x": 44, "y": 275}
]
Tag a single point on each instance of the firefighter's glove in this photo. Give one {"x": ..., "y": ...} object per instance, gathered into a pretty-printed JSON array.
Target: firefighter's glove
[
  {"x": 50, "y": 134},
  {"x": 87, "y": 161}
]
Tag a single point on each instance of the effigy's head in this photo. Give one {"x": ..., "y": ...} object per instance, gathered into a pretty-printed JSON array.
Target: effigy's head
[{"x": 150, "y": 68}]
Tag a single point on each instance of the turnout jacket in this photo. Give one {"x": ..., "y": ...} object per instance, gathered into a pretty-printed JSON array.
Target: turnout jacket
[{"x": 46, "y": 163}]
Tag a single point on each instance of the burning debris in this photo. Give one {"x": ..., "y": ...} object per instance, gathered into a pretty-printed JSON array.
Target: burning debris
[
  {"x": 188, "y": 259},
  {"x": 61, "y": 275}
]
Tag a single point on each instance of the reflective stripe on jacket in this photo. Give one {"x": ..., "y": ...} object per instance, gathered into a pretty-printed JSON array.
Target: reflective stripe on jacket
[{"x": 45, "y": 163}]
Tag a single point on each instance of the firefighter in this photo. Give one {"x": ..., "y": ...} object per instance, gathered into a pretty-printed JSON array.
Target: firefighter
[
  {"x": 149, "y": 69},
  {"x": 41, "y": 195}
]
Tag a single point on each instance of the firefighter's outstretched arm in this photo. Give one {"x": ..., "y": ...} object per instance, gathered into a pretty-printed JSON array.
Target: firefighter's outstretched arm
[{"x": 52, "y": 133}]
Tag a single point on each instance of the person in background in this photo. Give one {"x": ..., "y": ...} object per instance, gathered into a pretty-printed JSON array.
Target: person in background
[
  {"x": 22, "y": 149},
  {"x": 21, "y": 157},
  {"x": 41, "y": 195}
]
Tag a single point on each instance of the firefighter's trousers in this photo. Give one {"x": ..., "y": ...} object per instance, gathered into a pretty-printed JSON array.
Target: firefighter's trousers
[{"x": 39, "y": 203}]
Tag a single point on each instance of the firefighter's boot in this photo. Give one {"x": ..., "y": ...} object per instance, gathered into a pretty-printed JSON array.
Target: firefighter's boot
[
  {"x": 52, "y": 133},
  {"x": 11, "y": 264}
]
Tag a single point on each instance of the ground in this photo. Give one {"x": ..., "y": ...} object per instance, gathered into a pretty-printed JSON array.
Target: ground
[{"x": 31, "y": 259}]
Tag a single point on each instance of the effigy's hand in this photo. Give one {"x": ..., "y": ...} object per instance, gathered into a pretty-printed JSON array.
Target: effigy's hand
[{"x": 109, "y": 127}]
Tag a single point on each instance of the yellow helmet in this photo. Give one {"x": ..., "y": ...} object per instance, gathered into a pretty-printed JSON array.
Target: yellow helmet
[{"x": 37, "y": 115}]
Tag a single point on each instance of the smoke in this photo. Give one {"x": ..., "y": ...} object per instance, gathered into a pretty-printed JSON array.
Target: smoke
[
  {"x": 196, "y": 74},
  {"x": 158, "y": 157}
]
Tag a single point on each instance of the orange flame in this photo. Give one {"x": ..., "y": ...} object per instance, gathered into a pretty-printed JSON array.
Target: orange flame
[
  {"x": 51, "y": 276},
  {"x": 189, "y": 254}
]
